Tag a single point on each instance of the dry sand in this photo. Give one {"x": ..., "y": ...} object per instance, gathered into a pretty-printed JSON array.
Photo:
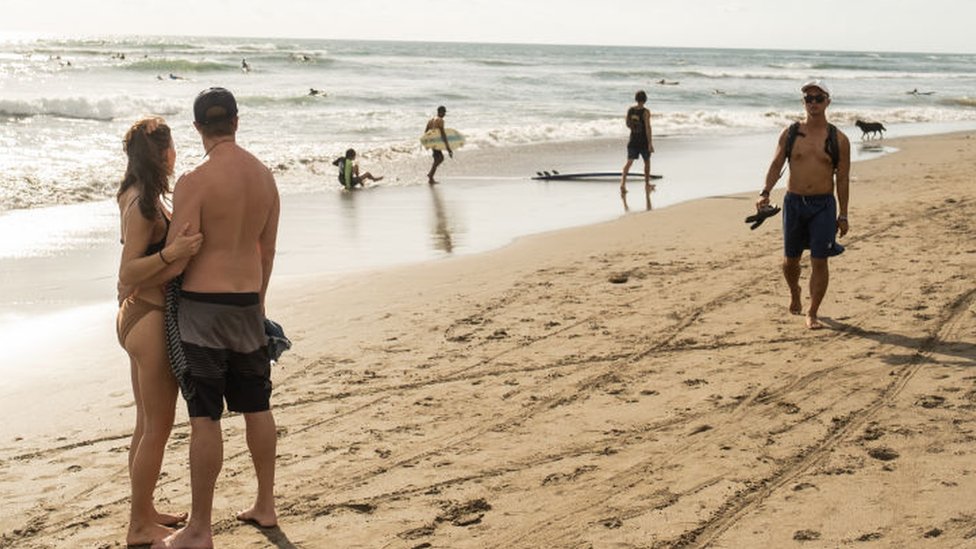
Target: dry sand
[{"x": 633, "y": 384}]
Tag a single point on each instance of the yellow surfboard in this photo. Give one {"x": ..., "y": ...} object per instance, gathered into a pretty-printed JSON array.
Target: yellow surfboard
[{"x": 433, "y": 140}]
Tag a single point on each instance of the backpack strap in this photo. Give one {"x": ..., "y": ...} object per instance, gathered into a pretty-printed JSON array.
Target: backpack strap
[
  {"x": 790, "y": 139},
  {"x": 831, "y": 145}
]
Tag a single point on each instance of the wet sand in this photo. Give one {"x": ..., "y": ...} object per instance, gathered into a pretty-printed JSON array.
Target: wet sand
[{"x": 635, "y": 383}]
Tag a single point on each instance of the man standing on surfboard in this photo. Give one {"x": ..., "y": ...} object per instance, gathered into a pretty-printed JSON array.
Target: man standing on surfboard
[{"x": 438, "y": 124}]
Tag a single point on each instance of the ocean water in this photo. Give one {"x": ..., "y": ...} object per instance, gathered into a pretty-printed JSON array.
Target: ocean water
[{"x": 65, "y": 103}]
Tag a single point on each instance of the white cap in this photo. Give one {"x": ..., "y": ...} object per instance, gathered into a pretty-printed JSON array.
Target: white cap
[{"x": 816, "y": 84}]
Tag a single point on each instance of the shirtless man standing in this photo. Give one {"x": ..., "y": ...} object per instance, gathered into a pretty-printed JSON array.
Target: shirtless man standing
[
  {"x": 438, "y": 123},
  {"x": 232, "y": 198},
  {"x": 819, "y": 156}
]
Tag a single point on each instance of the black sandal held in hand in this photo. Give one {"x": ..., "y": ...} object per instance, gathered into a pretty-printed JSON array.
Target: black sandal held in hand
[{"x": 761, "y": 215}]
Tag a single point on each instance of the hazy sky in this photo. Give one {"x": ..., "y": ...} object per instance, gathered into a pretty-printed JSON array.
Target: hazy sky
[{"x": 873, "y": 25}]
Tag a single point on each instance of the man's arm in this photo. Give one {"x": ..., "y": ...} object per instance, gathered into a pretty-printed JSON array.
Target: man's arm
[
  {"x": 186, "y": 220},
  {"x": 444, "y": 137},
  {"x": 647, "y": 129},
  {"x": 843, "y": 182},
  {"x": 268, "y": 241},
  {"x": 774, "y": 171}
]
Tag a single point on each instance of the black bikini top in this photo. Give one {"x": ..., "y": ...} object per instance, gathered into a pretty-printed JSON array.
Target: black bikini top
[{"x": 155, "y": 247}]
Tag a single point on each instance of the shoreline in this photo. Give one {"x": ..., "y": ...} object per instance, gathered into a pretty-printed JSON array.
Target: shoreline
[{"x": 520, "y": 398}]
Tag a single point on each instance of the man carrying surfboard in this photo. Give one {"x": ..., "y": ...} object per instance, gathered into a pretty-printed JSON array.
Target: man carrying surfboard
[{"x": 437, "y": 123}]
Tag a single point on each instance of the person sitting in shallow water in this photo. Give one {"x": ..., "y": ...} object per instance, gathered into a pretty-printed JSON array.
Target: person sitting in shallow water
[{"x": 349, "y": 175}]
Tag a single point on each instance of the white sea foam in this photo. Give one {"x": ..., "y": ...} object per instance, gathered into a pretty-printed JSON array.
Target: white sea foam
[{"x": 61, "y": 124}]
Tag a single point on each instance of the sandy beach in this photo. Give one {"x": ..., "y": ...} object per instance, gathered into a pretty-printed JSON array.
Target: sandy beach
[{"x": 636, "y": 383}]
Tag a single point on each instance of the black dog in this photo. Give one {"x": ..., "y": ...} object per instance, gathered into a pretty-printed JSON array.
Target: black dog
[{"x": 869, "y": 128}]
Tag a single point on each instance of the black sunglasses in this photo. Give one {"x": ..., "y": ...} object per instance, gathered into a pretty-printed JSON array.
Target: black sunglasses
[{"x": 819, "y": 98}]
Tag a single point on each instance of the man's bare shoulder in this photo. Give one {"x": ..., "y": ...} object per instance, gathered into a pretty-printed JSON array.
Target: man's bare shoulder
[
  {"x": 842, "y": 137},
  {"x": 187, "y": 181}
]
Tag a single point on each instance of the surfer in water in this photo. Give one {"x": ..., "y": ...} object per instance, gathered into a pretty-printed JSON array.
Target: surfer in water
[
  {"x": 438, "y": 124},
  {"x": 349, "y": 176},
  {"x": 640, "y": 144}
]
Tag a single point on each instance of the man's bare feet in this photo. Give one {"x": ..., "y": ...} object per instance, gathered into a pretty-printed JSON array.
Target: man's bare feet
[
  {"x": 145, "y": 535},
  {"x": 261, "y": 519},
  {"x": 813, "y": 322},
  {"x": 186, "y": 538},
  {"x": 796, "y": 303}
]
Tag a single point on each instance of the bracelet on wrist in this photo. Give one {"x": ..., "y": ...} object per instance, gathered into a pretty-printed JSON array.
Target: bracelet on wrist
[
  {"x": 841, "y": 218},
  {"x": 163, "y": 258}
]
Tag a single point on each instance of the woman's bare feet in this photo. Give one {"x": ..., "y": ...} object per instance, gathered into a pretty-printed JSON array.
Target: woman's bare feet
[
  {"x": 170, "y": 520},
  {"x": 261, "y": 519}
]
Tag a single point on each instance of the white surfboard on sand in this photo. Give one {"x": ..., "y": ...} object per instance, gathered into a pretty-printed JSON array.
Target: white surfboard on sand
[{"x": 433, "y": 140}]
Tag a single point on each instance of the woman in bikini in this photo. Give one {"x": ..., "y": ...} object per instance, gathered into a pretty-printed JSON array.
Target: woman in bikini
[{"x": 145, "y": 222}]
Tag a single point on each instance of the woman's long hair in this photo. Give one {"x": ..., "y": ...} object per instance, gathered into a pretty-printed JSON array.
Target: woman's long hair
[{"x": 146, "y": 145}]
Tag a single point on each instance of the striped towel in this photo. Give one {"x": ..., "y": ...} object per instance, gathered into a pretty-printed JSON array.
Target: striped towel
[{"x": 174, "y": 345}]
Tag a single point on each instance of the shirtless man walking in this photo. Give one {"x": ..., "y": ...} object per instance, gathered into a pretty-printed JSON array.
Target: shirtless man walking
[
  {"x": 438, "y": 123},
  {"x": 233, "y": 199},
  {"x": 820, "y": 161}
]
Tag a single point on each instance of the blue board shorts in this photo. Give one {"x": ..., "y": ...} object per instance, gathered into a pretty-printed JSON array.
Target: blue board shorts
[{"x": 810, "y": 222}]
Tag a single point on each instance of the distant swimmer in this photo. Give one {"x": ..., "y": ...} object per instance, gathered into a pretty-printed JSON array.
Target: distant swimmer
[
  {"x": 313, "y": 91},
  {"x": 349, "y": 176},
  {"x": 664, "y": 82},
  {"x": 244, "y": 66},
  {"x": 175, "y": 77},
  {"x": 916, "y": 92},
  {"x": 718, "y": 92}
]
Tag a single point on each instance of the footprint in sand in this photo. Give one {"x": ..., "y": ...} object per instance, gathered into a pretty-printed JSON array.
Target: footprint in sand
[
  {"x": 930, "y": 401},
  {"x": 464, "y": 514},
  {"x": 806, "y": 535},
  {"x": 883, "y": 453}
]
